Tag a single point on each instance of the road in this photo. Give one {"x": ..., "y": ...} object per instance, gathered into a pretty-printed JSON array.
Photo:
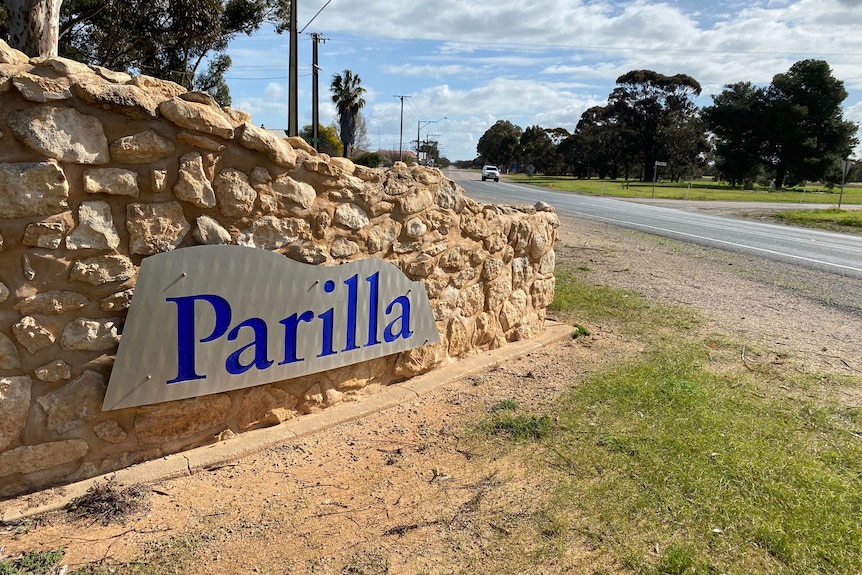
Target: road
[{"x": 827, "y": 252}]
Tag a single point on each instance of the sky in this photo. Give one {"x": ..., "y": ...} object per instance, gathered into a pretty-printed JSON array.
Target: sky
[{"x": 462, "y": 65}]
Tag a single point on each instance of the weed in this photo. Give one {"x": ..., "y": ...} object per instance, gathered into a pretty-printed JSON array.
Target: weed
[
  {"x": 32, "y": 563},
  {"x": 106, "y": 504},
  {"x": 505, "y": 405},
  {"x": 520, "y": 427}
]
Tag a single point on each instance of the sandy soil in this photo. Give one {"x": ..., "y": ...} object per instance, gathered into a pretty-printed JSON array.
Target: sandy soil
[{"x": 398, "y": 491}]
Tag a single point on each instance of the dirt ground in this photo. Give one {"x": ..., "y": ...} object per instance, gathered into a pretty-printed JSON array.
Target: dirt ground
[{"x": 397, "y": 491}]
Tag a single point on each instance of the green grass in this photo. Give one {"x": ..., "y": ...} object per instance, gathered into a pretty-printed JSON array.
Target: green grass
[
  {"x": 580, "y": 302},
  {"x": 503, "y": 421},
  {"x": 664, "y": 454},
  {"x": 832, "y": 219},
  {"x": 704, "y": 190}
]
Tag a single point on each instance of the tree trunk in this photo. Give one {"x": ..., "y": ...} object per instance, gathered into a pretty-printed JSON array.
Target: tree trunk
[{"x": 34, "y": 26}]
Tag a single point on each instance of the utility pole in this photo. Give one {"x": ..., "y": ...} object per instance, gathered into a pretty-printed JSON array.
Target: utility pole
[
  {"x": 293, "y": 75},
  {"x": 419, "y": 130},
  {"x": 315, "y": 136},
  {"x": 401, "y": 131}
]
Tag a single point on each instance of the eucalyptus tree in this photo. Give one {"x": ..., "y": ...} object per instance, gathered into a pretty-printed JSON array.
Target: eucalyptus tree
[
  {"x": 347, "y": 95},
  {"x": 500, "y": 143}
]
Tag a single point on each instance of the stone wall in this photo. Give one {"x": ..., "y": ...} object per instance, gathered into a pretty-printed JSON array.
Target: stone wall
[{"x": 99, "y": 169}]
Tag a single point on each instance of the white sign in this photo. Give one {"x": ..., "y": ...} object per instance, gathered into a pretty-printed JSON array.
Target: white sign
[{"x": 211, "y": 319}]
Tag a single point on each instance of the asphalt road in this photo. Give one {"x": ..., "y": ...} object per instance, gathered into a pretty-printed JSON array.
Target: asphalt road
[{"x": 820, "y": 251}]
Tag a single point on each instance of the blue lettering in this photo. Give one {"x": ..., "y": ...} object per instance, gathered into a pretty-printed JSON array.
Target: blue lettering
[
  {"x": 389, "y": 333},
  {"x": 186, "y": 370},
  {"x": 373, "y": 307},
  {"x": 291, "y": 325},
  {"x": 232, "y": 364},
  {"x": 352, "y": 297},
  {"x": 326, "y": 317}
]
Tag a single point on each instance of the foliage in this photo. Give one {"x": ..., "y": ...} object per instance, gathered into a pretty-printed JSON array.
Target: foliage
[
  {"x": 831, "y": 219},
  {"x": 32, "y": 563},
  {"x": 347, "y": 96},
  {"x": 536, "y": 148},
  {"x": 499, "y": 144},
  {"x": 166, "y": 39},
  {"x": 794, "y": 127},
  {"x": 329, "y": 142},
  {"x": 370, "y": 159}
]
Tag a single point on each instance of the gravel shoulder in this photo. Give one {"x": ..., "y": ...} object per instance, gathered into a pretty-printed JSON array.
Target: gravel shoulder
[{"x": 392, "y": 492}]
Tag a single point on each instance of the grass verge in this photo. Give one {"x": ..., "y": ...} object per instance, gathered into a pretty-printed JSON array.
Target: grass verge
[
  {"x": 702, "y": 190},
  {"x": 831, "y": 219}
]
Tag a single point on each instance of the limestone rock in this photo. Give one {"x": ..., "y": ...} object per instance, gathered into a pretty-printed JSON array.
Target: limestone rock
[
  {"x": 155, "y": 228},
  {"x": 131, "y": 101},
  {"x": 297, "y": 192},
  {"x": 272, "y": 233},
  {"x": 64, "y": 134},
  {"x": 111, "y": 75},
  {"x": 113, "y": 181},
  {"x": 14, "y": 407},
  {"x": 27, "y": 268},
  {"x": 64, "y": 66},
  {"x": 40, "y": 89},
  {"x": 193, "y": 185},
  {"x": 200, "y": 141},
  {"x": 542, "y": 292},
  {"x": 4, "y": 292},
  {"x": 512, "y": 313},
  {"x": 99, "y": 270},
  {"x": 210, "y": 232},
  {"x": 343, "y": 248},
  {"x": 498, "y": 291},
  {"x": 9, "y": 55},
  {"x": 351, "y": 216},
  {"x": 420, "y": 359},
  {"x": 199, "y": 117},
  {"x": 76, "y": 403},
  {"x": 236, "y": 117},
  {"x": 415, "y": 228},
  {"x": 32, "y": 189},
  {"x": 161, "y": 89},
  {"x": 472, "y": 300},
  {"x": 421, "y": 267},
  {"x": 48, "y": 235},
  {"x": 53, "y": 371},
  {"x": 460, "y": 336},
  {"x": 381, "y": 237},
  {"x": 82, "y": 334},
  {"x": 32, "y": 335},
  {"x": 262, "y": 140},
  {"x": 181, "y": 419},
  {"x": 547, "y": 263},
  {"x": 110, "y": 432},
  {"x": 95, "y": 228},
  {"x": 266, "y": 405},
  {"x": 159, "y": 180},
  {"x": 117, "y": 301},
  {"x": 141, "y": 148},
  {"x": 31, "y": 458},
  {"x": 234, "y": 194},
  {"x": 415, "y": 201},
  {"x": 522, "y": 272},
  {"x": 10, "y": 357},
  {"x": 51, "y": 302}
]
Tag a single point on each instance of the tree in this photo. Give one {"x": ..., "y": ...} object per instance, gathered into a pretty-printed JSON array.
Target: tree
[
  {"x": 644, "y": 103},
  {"x": 329, "y": 142},
  {"x": 169, "y": 39},
  {"x": 536, "y": 148},
  {"x": 807, "y": 134},
  {"x": 499, "y": 144},
  {"x": 33, "y": 26},
  {"x": 736, "y": 121},
  {"x": 347, "y": 97}
]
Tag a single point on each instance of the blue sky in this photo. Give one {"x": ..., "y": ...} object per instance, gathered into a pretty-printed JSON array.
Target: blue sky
[{"x": 474, "y": 63}]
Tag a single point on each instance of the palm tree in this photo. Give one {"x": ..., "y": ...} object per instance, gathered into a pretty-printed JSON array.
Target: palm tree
[{"x": 347, "y": 97}]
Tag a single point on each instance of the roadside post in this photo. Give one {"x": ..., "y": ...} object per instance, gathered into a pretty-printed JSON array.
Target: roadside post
[
  {"x": 655, "y": 174},
  {"x": 845, "y": 167}
]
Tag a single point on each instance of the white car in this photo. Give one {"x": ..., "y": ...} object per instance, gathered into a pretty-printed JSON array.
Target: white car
[{"x": 490, "y": 172}]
